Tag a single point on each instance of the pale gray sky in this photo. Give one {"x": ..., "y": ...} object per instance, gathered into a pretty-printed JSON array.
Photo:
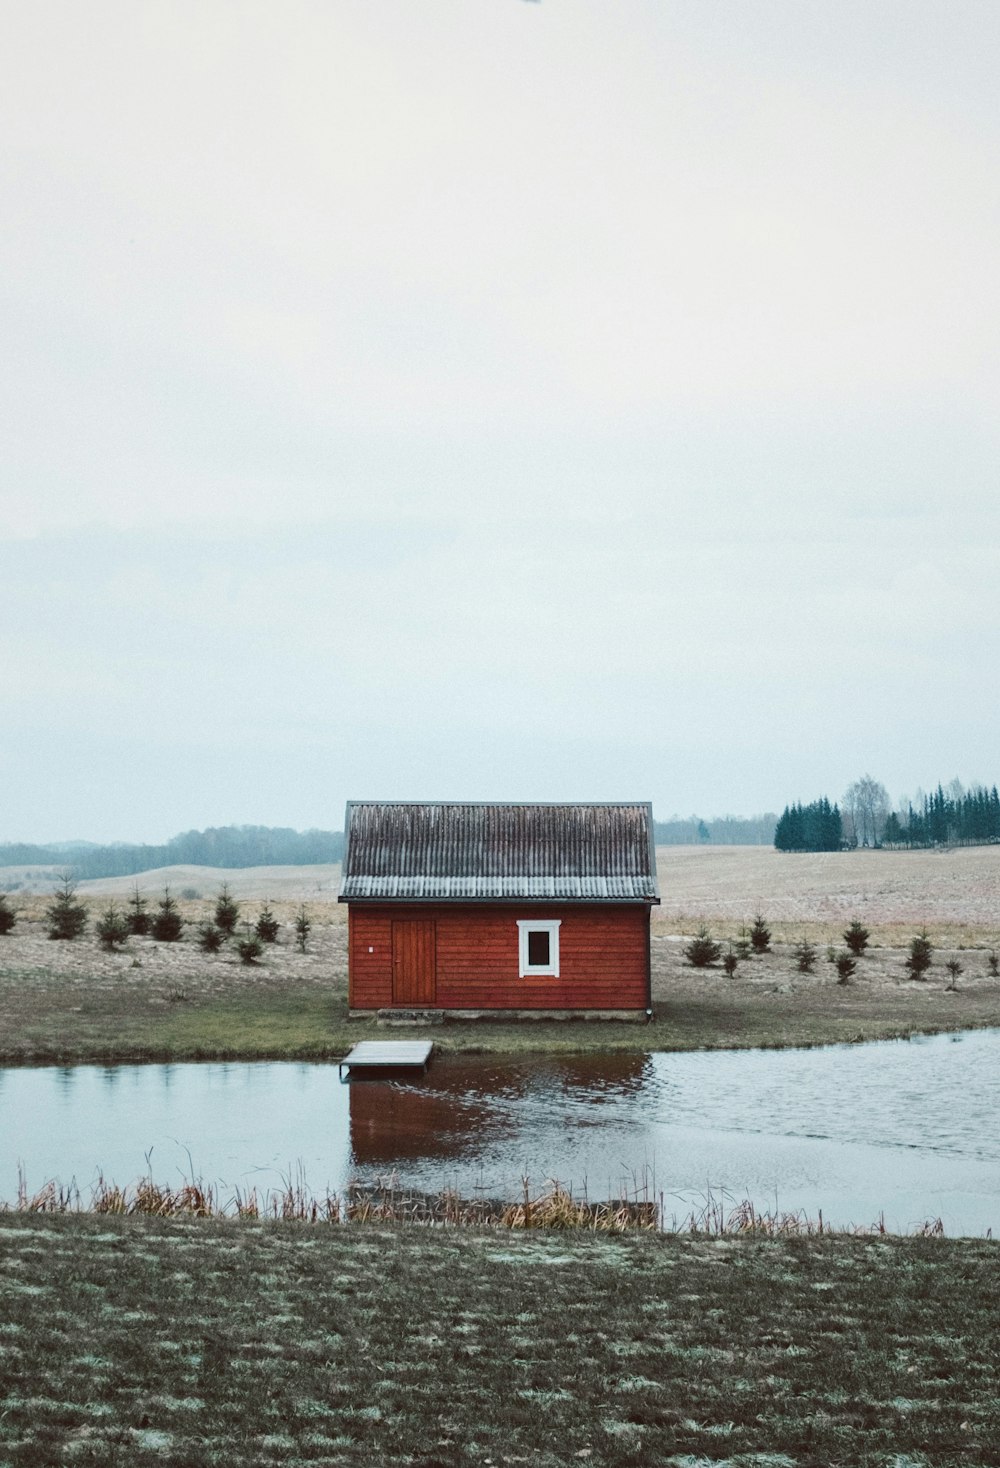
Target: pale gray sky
[{"x": 476, "y": 399}]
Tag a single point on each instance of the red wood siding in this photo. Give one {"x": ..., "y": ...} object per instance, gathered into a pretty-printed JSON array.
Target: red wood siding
[{"x": 602, "y": 957}]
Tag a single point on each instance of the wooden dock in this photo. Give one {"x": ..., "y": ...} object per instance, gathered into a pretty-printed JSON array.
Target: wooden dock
[{"x": 373, "y": 1056}]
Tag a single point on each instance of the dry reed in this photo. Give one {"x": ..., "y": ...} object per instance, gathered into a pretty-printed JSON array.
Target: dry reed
[
  {"x": 718, "y": 1217},
  {"x": 384, "y": 1201}
]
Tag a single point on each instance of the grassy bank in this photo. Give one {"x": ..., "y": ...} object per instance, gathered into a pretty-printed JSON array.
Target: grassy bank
[
  {"x": 266, "y": 1021},
  {"x": 205, "y": 1342},
  {"x": 70, "y": 1002}
]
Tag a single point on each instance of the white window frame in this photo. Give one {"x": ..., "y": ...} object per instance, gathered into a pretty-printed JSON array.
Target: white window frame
[{"x": 525, "y": 926}]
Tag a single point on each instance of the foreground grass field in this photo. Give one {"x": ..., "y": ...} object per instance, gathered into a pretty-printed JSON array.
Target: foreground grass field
[{"x": 144, "y": 1341}]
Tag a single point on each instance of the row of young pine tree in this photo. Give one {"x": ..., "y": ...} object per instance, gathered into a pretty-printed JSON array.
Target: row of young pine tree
[
  {"x": 943, "y": 818},
  {"x": 66, "y": 918}
]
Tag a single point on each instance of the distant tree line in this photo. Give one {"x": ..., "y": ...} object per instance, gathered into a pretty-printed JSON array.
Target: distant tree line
[
  {"x": 219, "y": 846},
  {"x": 953, "y": 816},
  {"x": 814, "y": 827},
  {"x": 723, "y": 831},
  {"x": 253, "y": 846}
]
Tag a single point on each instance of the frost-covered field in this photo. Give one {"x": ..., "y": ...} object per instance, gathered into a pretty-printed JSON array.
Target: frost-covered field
[
  {"x": 195, "y": 1342},
  {"x": 955, "y": 889}
]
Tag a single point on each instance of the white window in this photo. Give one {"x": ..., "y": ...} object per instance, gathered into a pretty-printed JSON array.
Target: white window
[{"x": 538, "y": 947}]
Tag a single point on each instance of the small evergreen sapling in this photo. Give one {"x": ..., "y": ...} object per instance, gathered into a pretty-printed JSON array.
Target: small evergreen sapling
[
  {"x": 954, "y": 968},
  {"x": 112, "y": 929},
  {"x": 729, "y": 962},
  {"x": 845, "y": 967},
  {"x": 302, "y": 929},
  {"x": 856, "y": 937},
  {"x": 267, "y": 925},
  {"x": 137, "y": 917},
  {"x": 226, "y": 911},
  {"x": 805, "y": 957},
  {"x": 8, "y": 917},
  {"x": 760, "y": 935},
  {"x": 993, "y": 966},
  {"x": 66, "y": 917},
  {"x": 919, "y": 960},
  {"x": 249, "y": 948},
  {"x": 702, "y": 951},
  {"x": 210, "y": 938},
  {"x": 168, "y": 923}
]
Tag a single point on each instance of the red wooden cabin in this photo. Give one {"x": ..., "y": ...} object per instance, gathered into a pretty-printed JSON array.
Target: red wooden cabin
[{"x": 478, "y": 908}]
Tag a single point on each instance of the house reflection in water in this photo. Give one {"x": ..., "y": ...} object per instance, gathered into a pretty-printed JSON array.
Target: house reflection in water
[
  {"x": 393, "y": 1122},
  {"x": 463, "y": 1106}
]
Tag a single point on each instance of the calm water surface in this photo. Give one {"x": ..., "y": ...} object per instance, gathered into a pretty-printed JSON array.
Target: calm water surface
[{"x": 911, "y": 1128}]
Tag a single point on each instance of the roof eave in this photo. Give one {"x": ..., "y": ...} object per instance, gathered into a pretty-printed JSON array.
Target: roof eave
[{"x": 500, "y": 901}]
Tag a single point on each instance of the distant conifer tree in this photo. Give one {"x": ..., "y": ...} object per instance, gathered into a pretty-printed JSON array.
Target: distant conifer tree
[
  {"x": 210, "y": 938},
  {"x": 845, "y": 967},
  {"x": 66, "y": 917},
  {"x": 137, "y": 917},
  {"x": 249, "y": 948},
  {"x": 856, "y": 937},
  {"x": 805, "y": 957},
  {"x": 702, "y": 951},
  {"x": 8, "y": 917},
  {"x": 267, "y": 925},
  {"x": 760, "y": 935},
  {"x": 168, "y": 923},
  {"x": 226, "y": 911},
  {"x": 111, "y": 929},
  {"x": 302, "y": 929},
  {"x": 893, "y": 835},
  {"x": 919, "y": 960}
]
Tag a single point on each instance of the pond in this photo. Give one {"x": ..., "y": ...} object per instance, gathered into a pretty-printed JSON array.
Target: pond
[{"x": 908, "y": 1129}]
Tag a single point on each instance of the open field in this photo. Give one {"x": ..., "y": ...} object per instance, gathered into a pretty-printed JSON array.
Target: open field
[
  {"x": 70, "y": 1001},
  {"x": 955, "y": 893},
  {"x": 196, "y": 1342},
  {"x": 957, "y": 890}
]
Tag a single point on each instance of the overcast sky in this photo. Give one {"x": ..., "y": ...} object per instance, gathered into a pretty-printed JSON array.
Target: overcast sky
[{"x": 593, "y": 399}]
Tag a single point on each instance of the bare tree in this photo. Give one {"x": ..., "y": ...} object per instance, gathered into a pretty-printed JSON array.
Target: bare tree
[
  {"x": 849, "y": 814},
  {"x": 867, "y": 806}
]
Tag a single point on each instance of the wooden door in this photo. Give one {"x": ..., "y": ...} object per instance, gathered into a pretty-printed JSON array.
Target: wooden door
[{"x": 414, "y": 963}]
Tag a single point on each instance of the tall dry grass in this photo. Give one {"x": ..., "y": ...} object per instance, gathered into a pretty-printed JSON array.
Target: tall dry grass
[{"x": 555, "y": 1206}]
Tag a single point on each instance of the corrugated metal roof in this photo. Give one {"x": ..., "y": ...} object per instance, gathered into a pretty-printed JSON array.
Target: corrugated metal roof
[{"x": 463, "y": 852}]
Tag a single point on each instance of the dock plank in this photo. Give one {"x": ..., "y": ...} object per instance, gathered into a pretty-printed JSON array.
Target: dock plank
[{"x": 388, "y": 1055}]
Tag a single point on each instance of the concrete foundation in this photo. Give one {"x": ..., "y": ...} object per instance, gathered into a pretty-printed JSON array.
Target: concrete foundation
[{"x": 496, "y": 1016}]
